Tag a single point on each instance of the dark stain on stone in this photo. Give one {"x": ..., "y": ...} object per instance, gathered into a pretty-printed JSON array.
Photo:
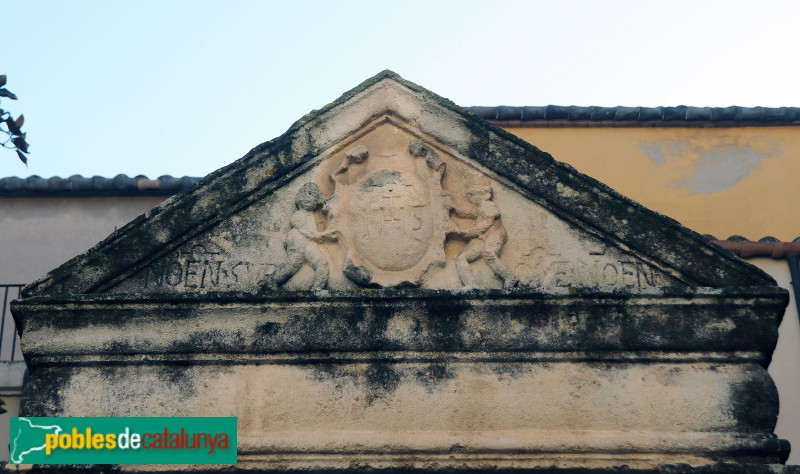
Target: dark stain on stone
[
  {"x": 337, "y": 375},
  {"x": 458, "y": 325},
  {"x": 268, "y": 329},
  {"x": 215, "y": 340},
  {"x": 357, "y": 273},
  {"x": 446, "y": 324},
  {"x": 119, "y": 346},
  {"x": 511, "y": 371},
  {"x": 382, "y": 379},
  {"x": 42, "y": 395},
  {"x": 754, "y": 402},
  {"x": 433, "y": 376},
  {"x": 180, "y": 376},
  {"x": 380, "y": 179}
]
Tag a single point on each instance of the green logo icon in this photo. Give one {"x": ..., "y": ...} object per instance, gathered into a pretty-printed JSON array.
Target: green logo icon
[{"x": 124, "y": 440}]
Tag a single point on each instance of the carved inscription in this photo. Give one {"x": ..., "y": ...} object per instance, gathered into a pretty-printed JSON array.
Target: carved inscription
[
  {"x": 203, "y": 267},
  {"x": 205, "y": 274},
  {"x": 588, "y": 272}
]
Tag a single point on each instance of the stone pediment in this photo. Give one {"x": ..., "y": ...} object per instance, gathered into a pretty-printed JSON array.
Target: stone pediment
[
  {"x": 394, "y": 186},
  {"x": 599, "y": 335}
]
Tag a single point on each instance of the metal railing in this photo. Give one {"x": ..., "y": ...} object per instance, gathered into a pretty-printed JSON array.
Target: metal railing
[{"x": 9, "y": 340}]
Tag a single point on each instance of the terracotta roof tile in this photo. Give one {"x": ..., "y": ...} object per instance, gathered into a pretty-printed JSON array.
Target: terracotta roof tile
[{"x": 765, "y": 247}]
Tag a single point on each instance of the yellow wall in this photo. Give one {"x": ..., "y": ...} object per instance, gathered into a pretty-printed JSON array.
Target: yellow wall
[{"x": 719, "y": 181}]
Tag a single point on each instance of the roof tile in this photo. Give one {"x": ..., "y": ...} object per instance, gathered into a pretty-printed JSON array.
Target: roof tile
[
  {"x": 556, "y": 112},
  {"x": 509, "y": 113},
  {"x": 681, "y": 113},
  {"x": 579, "y": 113},
  {"x": 650, "y": 113},
  {"x": 674, "y": 113},
  {"x": 750, "y": 113},
  {"x": 698, "y": 113},
  {"x": 531, "y": 112},
  {"x": 603, "y": 113},
  {"x": 627, "y": 113},
  {"x": 77, "y": 185}
]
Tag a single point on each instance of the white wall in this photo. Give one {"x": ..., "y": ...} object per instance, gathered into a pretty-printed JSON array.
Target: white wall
[
  {"x": 39, "y": 234},
  {"x": 36, "y": 236},
  {"x": 785, "y": 366}
]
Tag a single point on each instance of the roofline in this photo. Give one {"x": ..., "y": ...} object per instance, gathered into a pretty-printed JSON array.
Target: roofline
[
  {"x": 503, "y": 116},
  {"x": 765, "y": 247},
  {"x": 679, "y": 116},
  {"x": 96, "y": 186}
]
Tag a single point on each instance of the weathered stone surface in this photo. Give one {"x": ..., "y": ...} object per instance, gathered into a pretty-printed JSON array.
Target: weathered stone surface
[
  {"x": 394, "y": 217},
  {"x": 395, "y": 284}
]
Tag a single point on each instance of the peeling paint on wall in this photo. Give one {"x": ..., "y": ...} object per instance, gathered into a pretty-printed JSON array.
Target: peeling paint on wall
[{"x": 703, "y": 167}]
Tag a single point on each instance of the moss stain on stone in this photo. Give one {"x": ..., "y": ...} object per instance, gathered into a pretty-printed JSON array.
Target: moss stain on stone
[{"x": 42, "y": 395}]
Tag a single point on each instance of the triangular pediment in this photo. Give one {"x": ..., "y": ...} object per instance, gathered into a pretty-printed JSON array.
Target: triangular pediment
[{"x": 394, "y": 186}]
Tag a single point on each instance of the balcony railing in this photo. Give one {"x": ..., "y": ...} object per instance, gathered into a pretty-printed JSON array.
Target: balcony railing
[{"x": 9, "y": 340}]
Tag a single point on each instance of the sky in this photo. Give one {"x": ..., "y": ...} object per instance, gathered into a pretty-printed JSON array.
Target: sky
[{"x": 185, "y": 87}]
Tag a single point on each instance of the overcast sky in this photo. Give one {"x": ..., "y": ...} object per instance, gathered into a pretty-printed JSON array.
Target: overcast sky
[{"x": 185, "y": 87}]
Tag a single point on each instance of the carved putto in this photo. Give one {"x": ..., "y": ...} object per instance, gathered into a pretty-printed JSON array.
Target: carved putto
[
  {"x": 486, "y": 237},
  {"x": 303, "y": 239}
]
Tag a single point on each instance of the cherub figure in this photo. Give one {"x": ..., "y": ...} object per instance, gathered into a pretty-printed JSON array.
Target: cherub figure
[
  {"x": 303, "y": 239},
  {"x": 486, "y": 238}
]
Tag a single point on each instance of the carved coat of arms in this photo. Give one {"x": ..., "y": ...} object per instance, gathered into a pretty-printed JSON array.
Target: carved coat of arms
[
  {"x": 391, "y": 213},
  {"x": 390, "y": 218}
]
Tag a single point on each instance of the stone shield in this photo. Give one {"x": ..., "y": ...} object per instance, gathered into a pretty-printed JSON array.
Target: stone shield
[
  {"x": 393, "y": 222},
  {"x": 392, "y": 215}
]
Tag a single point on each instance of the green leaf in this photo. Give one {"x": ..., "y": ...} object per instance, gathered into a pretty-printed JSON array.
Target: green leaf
[
  {"x": 22, "y": 157},
  {"x": 7, "y": 93},
  {"x": 20, "y": 143},
  {"x": 13, "y": 127},
  {"x": 2, "y": 80}
]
